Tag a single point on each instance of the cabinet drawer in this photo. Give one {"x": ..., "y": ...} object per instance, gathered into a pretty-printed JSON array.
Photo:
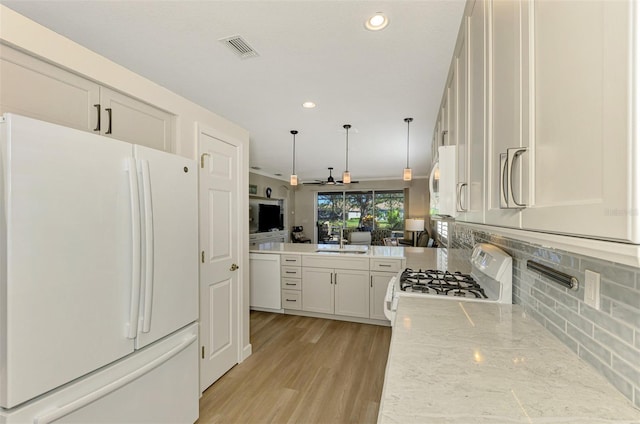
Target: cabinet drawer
[
  {"x": 291, "y": 260},
  {"x": 291, "y": 272},
  {"x": 336, "y": 262},
  {"x": 292, "y": 283},
  {"x": 291, "y": 299},
  {"x": 389, "y": 265}
]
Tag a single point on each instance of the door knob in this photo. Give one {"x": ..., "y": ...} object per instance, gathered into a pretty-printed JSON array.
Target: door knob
[{"x": 233, "y": 267}]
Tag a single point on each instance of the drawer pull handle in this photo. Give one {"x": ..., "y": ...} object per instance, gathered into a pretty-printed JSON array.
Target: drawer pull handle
[
  {"x": 383, "y": 265},
  {"x": 291, "y": 272},
  {"x": 291, "y": 260},
  {"x": 291, "y": 300},
  {"x": 291, "y": 284}
]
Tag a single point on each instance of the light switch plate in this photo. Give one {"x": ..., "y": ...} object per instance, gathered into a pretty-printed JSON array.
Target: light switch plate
[{"x": 592, "y": 289}]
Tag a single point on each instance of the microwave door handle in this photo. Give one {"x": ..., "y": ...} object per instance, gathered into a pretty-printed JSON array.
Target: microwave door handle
[{"x": 431, "y": 179}]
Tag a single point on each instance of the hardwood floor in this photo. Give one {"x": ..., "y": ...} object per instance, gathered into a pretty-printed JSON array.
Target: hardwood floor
[{"x": 302, "y": 370}]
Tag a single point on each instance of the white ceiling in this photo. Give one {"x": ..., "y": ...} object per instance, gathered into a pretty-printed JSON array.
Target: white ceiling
[{"x": 308, "y": 50}]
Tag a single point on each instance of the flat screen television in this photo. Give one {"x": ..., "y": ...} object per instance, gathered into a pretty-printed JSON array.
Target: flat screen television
[{"x": 269, "y": 217}]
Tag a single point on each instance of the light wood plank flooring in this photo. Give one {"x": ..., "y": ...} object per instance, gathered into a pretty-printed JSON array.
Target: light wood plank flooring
[{"x": 302, "y": 370}]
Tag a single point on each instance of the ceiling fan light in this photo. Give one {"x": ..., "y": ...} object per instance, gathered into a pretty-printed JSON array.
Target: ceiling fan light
[
  {"x": 346, "y": 177},
  {"x": 293, "y": 180},
  {"x": 406, "y": 175}
]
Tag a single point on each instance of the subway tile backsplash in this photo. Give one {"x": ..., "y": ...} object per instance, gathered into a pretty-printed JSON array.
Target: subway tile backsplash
[{"x": 608, "y": 338}]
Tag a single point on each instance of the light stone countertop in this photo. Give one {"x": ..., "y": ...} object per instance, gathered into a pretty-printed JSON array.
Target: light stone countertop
[
  {"x": 416, "y": 257},
  {"x": 471, "y": 362},
  {"x": 312, "y": 249}
]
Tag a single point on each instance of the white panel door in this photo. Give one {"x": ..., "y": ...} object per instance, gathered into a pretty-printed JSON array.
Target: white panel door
[
  {"x": 317, "y": 290},
  {"x": 506, "y": 116},
  {"x": 68, "y": 275},
  {"x": 473, "y": 194},
  {"x": 34, "y": 88},
  {"x": 351, "y": 293},
  {"x": 379, "y": 281},
  {"x": 126, "y": 118},
  {"x": 583, "y": 161},
  {"x": 169, "y": 206},
  {"x": 219, "y": 279}
]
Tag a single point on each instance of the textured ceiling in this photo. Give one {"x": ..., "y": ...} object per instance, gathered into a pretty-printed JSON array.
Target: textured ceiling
[{"x": 308, "y": 50}]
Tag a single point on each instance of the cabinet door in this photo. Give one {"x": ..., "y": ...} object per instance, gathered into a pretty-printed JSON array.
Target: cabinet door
[
  {"x": 583, "y": 161},
  {"x": 505, "y": 86},
  {"x": 377, "y": 292},
  {"x": 39, "y": 90},
  {"x": 317, "y": 290},
  {"x": 131, "y": 120},
  {"x": 352, "y": 293},
  {"x": 472, "y": 195},
  {"x": 461, "y": 63}
]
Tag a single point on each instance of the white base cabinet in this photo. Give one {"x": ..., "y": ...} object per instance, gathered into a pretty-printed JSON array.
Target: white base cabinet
[{"x": 378, "y": 290}]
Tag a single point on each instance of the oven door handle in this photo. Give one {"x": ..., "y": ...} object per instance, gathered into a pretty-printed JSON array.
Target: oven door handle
[{"x": 390, "y": 304}]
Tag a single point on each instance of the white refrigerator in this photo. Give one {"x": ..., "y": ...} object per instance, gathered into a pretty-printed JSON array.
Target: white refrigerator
[{"x": 98, "y": 278}]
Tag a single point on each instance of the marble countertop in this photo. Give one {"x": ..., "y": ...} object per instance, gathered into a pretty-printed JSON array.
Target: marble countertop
[
  {"x": 416, "y": 257},
  {"x": 471, "y": 362},
  {"x": 326, "y": 249}
]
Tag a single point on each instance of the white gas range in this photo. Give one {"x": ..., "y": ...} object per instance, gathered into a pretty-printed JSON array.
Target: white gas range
[{"x": 490, "y": 280}]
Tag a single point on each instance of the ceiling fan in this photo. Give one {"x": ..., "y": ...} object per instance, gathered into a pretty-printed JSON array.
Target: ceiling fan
[{"x": 329, "y": 181}]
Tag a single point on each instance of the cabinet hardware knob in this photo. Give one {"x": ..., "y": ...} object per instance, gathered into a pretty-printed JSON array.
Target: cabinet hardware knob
[{"x": 233, "y": 267}]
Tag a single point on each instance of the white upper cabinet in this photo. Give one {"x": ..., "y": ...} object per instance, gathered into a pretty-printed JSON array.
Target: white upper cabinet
[
  {"x": 505, "y": 113},
  {"x": 471, "y": 192},
  {"x": 34, "y": 88},
  {"x": 39, "y": 90},
  {"x": 461, "y": 64},
  {"x": 581, "y": 176}
]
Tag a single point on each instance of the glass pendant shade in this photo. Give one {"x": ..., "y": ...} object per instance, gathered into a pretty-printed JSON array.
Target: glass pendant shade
[
  {"x": 406, "y": 175},
  {"x": 346, "y": 177},
  {"x": 293, "y": 180}
]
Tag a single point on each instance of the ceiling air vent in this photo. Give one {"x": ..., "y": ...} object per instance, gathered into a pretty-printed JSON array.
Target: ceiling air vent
[{"x": 239, "y": 46}]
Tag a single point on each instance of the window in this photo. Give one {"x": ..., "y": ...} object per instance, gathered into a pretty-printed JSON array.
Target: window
[
  {"x": 366, "y": 210},
  {"x": 442, "y": 229}
]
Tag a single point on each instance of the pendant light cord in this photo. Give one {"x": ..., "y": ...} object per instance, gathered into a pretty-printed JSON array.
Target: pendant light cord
[{"x": 294, "y": 132}]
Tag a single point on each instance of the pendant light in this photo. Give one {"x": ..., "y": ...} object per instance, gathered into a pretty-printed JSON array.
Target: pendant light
[
  {"x": 294, "y": 178},
  {"x": 346, "y": 175},
  {"x": 406, "y": 175}
]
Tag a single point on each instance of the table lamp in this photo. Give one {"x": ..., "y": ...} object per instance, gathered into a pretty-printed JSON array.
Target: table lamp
[{"x": 414, "y": 226}]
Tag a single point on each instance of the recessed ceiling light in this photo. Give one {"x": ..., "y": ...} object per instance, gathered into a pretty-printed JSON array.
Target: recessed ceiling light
[
  {"x": 376, "y": 22},
  {"x": 308, "y": 105}
]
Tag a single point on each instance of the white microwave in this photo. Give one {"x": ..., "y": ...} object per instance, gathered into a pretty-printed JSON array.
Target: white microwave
[{"x": 442, "y": 183}]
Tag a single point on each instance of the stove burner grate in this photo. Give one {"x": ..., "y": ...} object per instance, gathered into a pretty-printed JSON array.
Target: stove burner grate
[{"x": 440, "y": 283}]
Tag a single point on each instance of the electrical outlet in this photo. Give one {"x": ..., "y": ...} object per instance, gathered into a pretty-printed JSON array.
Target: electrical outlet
[{"x": 592, "y": 289}]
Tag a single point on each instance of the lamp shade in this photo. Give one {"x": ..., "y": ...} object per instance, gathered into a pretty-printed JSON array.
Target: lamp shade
[{"x": 414, "y": 224}]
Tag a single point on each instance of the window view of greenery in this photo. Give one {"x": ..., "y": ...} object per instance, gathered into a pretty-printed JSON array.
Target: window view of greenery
[{"x": 366, "y": 210}]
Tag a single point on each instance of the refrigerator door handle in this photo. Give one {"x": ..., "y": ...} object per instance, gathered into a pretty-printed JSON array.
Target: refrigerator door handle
[
  {"x": 148, "y": 225},
  {"x": 75, "y": 405},
  {"x": 132, "y": 326}
]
